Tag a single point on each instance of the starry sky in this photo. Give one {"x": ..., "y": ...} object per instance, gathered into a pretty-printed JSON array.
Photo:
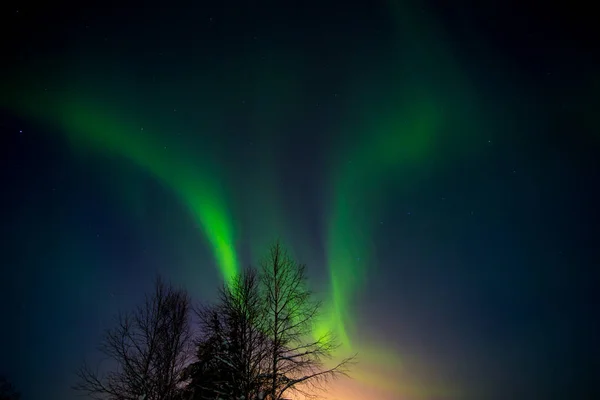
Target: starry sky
[{"x": 433, "y": 163}]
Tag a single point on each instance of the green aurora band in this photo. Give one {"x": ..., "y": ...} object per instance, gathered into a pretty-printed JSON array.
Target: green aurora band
[
  {"x": 94, "y": 127},
  {"x": 99, "y": 119},
  {"x": 428, "y": 112}
]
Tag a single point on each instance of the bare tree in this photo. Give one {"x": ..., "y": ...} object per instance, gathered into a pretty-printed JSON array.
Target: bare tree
[
  {"x": 257, "y": 341},
  {"x": 232, "y": 347},
  {"x": 242, "y": 306},
  {"x": 149, "y": 347},
  {"x": 296, "y": 358}
]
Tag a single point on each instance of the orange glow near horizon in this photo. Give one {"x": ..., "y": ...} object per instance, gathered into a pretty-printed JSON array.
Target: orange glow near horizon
[{"x": 379, "y": 374}]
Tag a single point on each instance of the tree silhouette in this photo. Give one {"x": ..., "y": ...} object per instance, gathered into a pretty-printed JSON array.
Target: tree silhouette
[
  {"x": 296, "y": 358},
  {"x": 243, "y": 308},
  {"x": 150, "y": 347},
  {"x": 7, "y": 390},
  {"x": 257, "y": 341},
  {"x": 208, "y": 377},
  {"x": 232, "y": 347}
]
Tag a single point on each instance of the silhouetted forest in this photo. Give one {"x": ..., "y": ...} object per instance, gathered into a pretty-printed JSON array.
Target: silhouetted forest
[
  {"x": 7, "y": 390},
  {"x": 254, "y": 342}
]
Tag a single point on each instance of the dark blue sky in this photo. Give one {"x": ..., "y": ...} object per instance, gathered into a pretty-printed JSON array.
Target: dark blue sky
[{"x": 482, "y": 248}]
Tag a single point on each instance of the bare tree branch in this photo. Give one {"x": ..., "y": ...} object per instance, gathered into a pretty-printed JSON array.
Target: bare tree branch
[
  {"x": 150, "y": 348},
  {"x": 296, "y": 361},
  {"x": 257, "y": 341},
  {"x": 232, "y": 344}
]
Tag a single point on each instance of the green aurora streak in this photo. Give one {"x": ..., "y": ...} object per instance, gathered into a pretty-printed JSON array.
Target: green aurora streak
[
  {"x": 98, "y": 118},
  {"x": 428, "y": 104},
  {"x": 97, "y": 128}
]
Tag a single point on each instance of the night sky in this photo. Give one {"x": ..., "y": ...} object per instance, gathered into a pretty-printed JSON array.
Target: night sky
[{"x": 435, "y": 165}]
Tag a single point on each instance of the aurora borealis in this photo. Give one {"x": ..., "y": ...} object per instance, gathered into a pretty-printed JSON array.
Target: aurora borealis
[{"x": 431, "y": 165}]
